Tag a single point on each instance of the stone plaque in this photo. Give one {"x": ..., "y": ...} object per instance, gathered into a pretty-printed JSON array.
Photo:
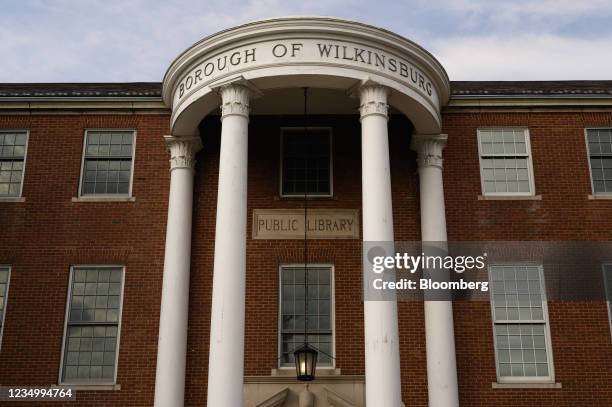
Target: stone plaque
[{"x": 321, "y": 224}]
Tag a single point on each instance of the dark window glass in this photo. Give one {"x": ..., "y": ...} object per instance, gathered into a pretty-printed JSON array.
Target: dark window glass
[{"x": 306, "y": 161}]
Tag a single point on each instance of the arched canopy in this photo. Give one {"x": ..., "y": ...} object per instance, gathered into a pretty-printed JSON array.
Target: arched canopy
[{"x": 306, "y": 51}]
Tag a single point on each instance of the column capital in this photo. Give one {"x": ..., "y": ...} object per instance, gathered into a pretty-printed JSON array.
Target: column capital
[
  {"x": 372, "y": 98},
  {"x": 429, "y": 149},
  {"x": 235, "y": 96},
  {"x": 182, "y": 151}
]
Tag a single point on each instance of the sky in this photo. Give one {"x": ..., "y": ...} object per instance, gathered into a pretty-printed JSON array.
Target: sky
[{"x": 136, "y": 40}]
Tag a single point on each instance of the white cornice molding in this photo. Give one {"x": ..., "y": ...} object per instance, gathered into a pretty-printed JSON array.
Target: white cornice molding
[{"x": 308, "y": 25}]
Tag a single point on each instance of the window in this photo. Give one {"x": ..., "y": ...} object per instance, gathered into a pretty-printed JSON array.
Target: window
[
  {"x": 293, "y": 313},
  {"x": 13, "y": 146},
  {"x": 505, "y": 161},
  {"x": 520, "y": 324},
  {"x": 93, "y": 318},
  {"x": 107, "y": 163},
  {"x": 599, "y": 142},
  {"x": 306, "y": 161},
  {"x": 5, "y": 272},
  {"x": 608, "y": 288}
]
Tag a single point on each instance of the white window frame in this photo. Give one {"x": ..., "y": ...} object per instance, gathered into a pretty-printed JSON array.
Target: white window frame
[
  {"x": 25, "y": 157},
  {"x": 6, "y": 294},
  {"x": 67, "y": 316},
  {"x": 279, "y": 339},
  {"x": 547, "y": 336},
  {"x": 608, "y": 293},
  {"x": 331, "y": 161},
  {"x": 529, "y": 161},
  {"x": 129, "y": 194},
  {"x": 588, "y": 156}
]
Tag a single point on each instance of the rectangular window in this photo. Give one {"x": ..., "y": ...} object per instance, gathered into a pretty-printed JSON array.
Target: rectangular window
[
  {"x": 107, "y": 163},
  {"x": 306, "y": 164},
  {"x": 13, "y": 146},
  {"x": 520, "y": 324},
  {"x": 5, "y": 273},
  {"x": 293, "y": 312},
  {"x": 608, "y": 288},
  {"x": 599, "y": 143},
  {"x": 92, "y": 325},
  {"x": 505, "y": 161}
]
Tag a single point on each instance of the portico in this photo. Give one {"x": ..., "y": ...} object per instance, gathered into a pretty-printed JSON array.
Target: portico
[{"x": 231, "y": 71}]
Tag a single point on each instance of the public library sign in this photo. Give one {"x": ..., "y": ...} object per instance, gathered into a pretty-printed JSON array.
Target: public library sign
[{"x": 320, "y": 224}]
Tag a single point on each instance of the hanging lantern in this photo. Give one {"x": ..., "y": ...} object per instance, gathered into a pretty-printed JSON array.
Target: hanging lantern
[{"x": 305, "y": 363}]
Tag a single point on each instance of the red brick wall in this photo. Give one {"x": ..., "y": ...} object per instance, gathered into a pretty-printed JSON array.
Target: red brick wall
[
  {"x": 582, "y": 347},
  {"x": 44, "y": 235}
]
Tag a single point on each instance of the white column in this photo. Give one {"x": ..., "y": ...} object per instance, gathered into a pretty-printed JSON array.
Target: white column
[
  {"x": 439, "y": 331},
  {"x": 382, "y": 359},
  {"x": 172, "y": 343},
  {"x": 226, "y": 356}
]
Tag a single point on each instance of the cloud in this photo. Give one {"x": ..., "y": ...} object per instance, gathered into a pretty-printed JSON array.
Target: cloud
[
  {"x": 524, "y": 57},
  {"x": 136, "y": 40}
]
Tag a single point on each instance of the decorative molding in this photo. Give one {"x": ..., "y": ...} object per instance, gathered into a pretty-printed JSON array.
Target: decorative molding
[
  {"x": 276, "y": 400},
  {"x": 335, "y": 400},
  {"x": 182, "y": 151},
  {"x": 373, "y": 100},
  {"x": 235, "y": 95},
  {"x": 429, "y": 149}
]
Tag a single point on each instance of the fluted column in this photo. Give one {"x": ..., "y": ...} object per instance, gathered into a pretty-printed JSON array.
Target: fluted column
[
  {"x": 382, "y": 359},
  {"x": 172, "y": 342},
  {"x": 439, "y": 330},
  {"x": 226, "y": 356}
]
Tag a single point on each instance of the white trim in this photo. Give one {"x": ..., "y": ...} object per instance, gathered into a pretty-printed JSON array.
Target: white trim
[
  {"x": 547, "y": 336},
  {"x": 594, "y": 195},
  {"x": 332, "y": 311},
  {"x": 608, "y": 293},
  {"x": 102, "y": 198},
  {"x": 331, "y": 162},
  {"x": 129, "y": 194},
  {"x": 496, "y": 385},
  {"x": 3, "y": 313},
  {"x": 23, "y": 169},
  {"x": 527, "y": 153},
  {"x": 67, "y": 315}
]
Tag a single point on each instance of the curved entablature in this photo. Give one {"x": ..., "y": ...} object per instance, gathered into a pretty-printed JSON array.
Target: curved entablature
[{"x": 306, "y": 51}]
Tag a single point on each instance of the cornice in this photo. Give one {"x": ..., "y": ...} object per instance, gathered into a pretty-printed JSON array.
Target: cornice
[{"x": 307, "y": 25}]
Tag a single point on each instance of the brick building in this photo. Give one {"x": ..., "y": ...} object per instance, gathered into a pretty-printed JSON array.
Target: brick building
[{"x": 139, "y": 286}]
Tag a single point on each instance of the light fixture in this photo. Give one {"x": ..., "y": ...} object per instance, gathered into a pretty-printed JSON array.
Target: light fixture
[{"x": 305, "y": 362}]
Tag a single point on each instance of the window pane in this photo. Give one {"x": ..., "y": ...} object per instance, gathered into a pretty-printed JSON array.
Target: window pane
[
  {"x": 108, "y": 163},
  {"x": 519, "y": 330},
  {"x": 504, "y": 161},
  {"x": 293, "y": 310},
  {"x": 306, "y": 161},
  {"x": 91, "y": 334}
]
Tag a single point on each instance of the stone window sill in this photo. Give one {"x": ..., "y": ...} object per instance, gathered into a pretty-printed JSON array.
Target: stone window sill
[
  {"x": 12, "y": 199},
  {"x": 321, "y": 371},
  {"x": 309, "y": 198},
  {"x": 509, "y": 197},
  {"x": 104, "y": 199},
  {"x": 600, "y": 196},
  {"x": 91, "y": 387},
  {"x": 526, "y": 385}
]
